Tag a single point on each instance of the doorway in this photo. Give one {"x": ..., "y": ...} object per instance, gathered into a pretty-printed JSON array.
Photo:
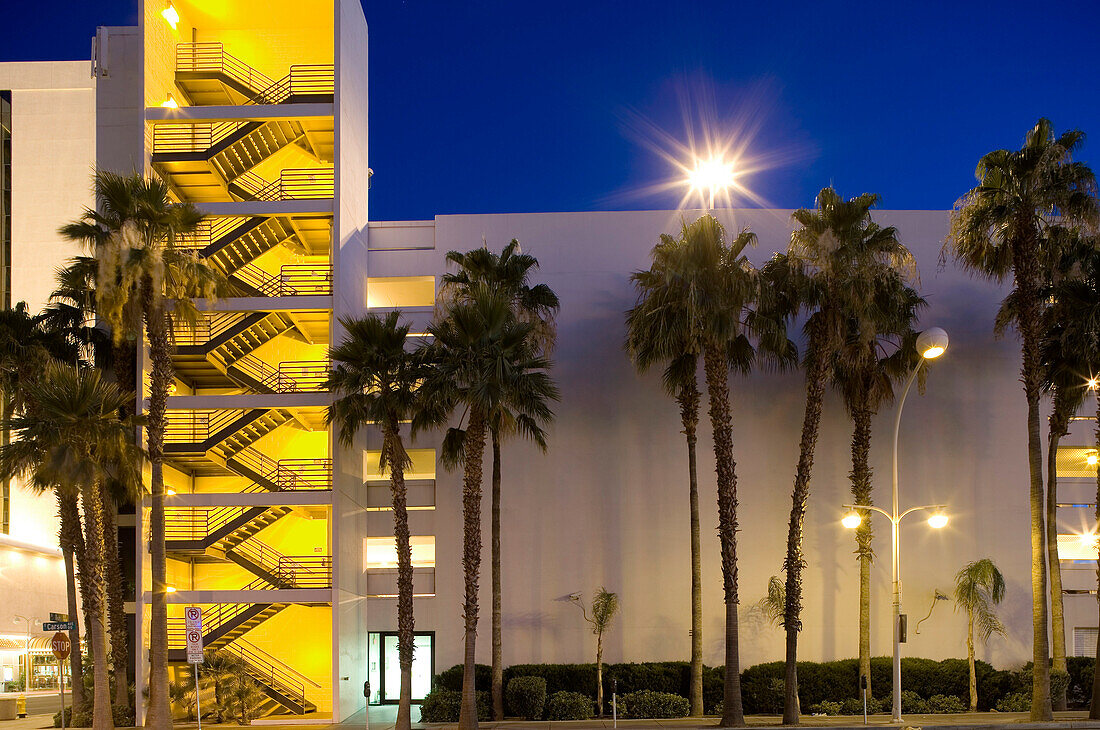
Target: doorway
[{"x": 384, "y": 666}]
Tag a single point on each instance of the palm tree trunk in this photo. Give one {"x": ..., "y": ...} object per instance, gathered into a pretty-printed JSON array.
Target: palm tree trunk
[
  {"x": 793, "y": 563},
  {"x": 970, "y": 660},
  {"x": 72, "y": 544},
  {"x": 116, "y": 610},
  {"x": 1026, "y": 269},
  {"x": 498, "y": 651},
  {"x": 405, "y": 625},
  {"x": 715, "y": 370},
  {"x": 689, "y": 416},
  {"x": 474, "y": 449},
  {"x": 95, "y": 600},
  {"x": 599, "y": 674},
  {"x": 1058, "y": 424},
  {"x": 861, "y": 494},
  {"x": 159, "y": 713}
]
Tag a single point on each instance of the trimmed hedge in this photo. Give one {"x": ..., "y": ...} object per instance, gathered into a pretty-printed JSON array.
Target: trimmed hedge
[
  {"x": 527, "y": 697},
  {"x": 762, "y": 684},
  {"x": 570, "y": 706},
  {"x": 443, "y": 705},
  {"x": 646, "y": 705}
]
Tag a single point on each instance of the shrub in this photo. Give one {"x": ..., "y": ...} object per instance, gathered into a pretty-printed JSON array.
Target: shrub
[
  {"x": 826, "y": 707},
  {"x": 1080, "y": 680},
  {"x": 944, "y": 704},
  {"x": 526, "y": 697},
  {"x": 452, "y": 678},
  {"x": 1059, "y": 682},
  {"x": 569, "y": 706},
  {"x": 443, "y": 705},
  {"x": 123, "y": 717},
  {"x": 1015, "y": 702},
  {"x": 912, "y": 703},
  {"x": 647, "y": 704}
]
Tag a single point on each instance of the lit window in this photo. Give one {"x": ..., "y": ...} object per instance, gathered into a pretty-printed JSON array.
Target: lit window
[
  {"x": 382, "y": 552},
  {"x": 1077, "y": 547},
  {"x": 390, "y": 292},
  {"x": 422, "y": 466}
]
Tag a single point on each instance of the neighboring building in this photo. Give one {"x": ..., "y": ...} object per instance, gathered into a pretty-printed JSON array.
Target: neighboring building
[
  {"x": 47, "y": 150},
  {"x": 257, "y": 113}
]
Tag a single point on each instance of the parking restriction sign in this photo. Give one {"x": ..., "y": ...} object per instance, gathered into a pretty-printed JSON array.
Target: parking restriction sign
[{"x": 192, "y": 616}]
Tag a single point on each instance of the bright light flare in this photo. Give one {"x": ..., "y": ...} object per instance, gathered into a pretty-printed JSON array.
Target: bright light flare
[
  {"x": 711, "y": 175},
  {"x": 937, "y": 521},
  {"x": 1093, "y": 383},
  {"x": 851, "y": 520},
  {"x": 1087, "y": 539},
  {"x": 170, "y": 103},
  {"x": 170, "y": 15},
  {"x": 170, "y": 589},
  {"x": 1092, "y": 459},
  {"x": 932, "y": 352}
]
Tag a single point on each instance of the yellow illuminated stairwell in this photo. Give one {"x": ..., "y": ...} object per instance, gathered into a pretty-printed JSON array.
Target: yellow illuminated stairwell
[{"x": 247, "y": 451}]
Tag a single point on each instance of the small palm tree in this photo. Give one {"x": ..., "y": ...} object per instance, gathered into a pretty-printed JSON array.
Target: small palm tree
[
  {"x": 836, "y": 257},
  {"x": 182, "y": 694},
  {"x": 73, "y": 438},
  {"x": 133, "y": 236},
  {"x": 999, "y": 230},
  {"x": 220, "y": 667},
  {"x": 605, "y": 605},
  {"x": 979, "y": 587},
  {"x": 376, "y": 381},
  {"x": 698, "y": 296},
  {"x": 482, "y": 358},
  {"x": 509, "y": 272}
]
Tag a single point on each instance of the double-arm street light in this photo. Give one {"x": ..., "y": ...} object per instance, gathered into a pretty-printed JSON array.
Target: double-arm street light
[{"x": 930, "y": 344}]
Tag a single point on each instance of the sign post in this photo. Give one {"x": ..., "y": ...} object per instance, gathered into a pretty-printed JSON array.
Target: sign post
[
  {"x": 192, "y": 620},
  {"x": 61, "y": 646}
]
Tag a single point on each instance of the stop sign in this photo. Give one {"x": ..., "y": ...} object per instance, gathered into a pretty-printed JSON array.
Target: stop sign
[{"x": 61, "y": 646}]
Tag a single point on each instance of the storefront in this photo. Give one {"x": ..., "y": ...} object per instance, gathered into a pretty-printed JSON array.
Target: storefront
[{"x": 13, "y": 663}]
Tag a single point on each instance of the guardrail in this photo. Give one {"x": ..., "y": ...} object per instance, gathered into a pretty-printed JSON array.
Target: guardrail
[
  {"x": 302, "y": 376},
  {"x": 296, "y": 184},
  {"x": 292, "y": 280},
  {"x": 176, "y": 138},
  {"x": 306, "y": 80}
]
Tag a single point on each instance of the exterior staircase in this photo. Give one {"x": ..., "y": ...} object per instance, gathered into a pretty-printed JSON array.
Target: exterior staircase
[{"x": 208, "y": 75}]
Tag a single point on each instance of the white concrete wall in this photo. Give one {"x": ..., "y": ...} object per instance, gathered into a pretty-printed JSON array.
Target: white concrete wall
[
  {"x": 349, "y": 258},
  {"x": 53, "y": 154},
  {"x": 608, "y": 504}
]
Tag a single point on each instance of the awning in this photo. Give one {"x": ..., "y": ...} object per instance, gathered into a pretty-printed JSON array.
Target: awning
[{"x": 39, "y": 644}]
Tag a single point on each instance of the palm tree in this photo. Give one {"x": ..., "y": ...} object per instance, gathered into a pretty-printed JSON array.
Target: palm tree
[
  {"x": 877, "y": 350},
  {"x": 681, "y": 382},
  {"x": 482, "y": 359},
  {"x": 999, "y": 229},
  {"x": 605, "y": 605},
  {"x": 26, "y": 342},
  {"x": 376, "y": 380},
  {"x": 133, "y": 236},
  {"x": 836, "y": 258},
  {"x": 698, "y": 296},
  {"x": 979, "y": 587},
  {"x": 71, "y": 313},
  {"x": 509, "y": 272},
  {"x": 73, "y": 438}
]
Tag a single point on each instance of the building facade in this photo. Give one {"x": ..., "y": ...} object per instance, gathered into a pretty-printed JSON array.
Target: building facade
[{"x": 256, "y": 112}]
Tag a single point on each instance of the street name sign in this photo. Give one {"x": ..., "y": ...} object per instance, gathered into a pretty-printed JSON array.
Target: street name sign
[
  {"x": 59, "y": 626},
  {"x": 58, "y": 616}
]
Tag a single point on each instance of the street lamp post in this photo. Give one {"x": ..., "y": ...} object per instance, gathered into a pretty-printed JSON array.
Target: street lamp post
[
  {"x": 27, "y": 677},
  {"x": 931, "y": 343}
]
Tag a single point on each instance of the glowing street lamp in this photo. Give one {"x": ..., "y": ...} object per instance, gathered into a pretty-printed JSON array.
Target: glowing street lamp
[
  {"x": 711, "y": 175},
  {"x": 171, "y": 15},
  {"x": 931, "y": 343}
]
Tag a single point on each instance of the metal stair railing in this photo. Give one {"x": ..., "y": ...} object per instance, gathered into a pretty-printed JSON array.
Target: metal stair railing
[
  {"x": 303, "y": 79},
  {"x": 295, "y": 184},
  {"x": 292, "y": 280},
  {"x": 212, "y": 58},
  {"x": 216, "y": 617},
  {"x": 288, "y": 474},
  {"x": 205, "y": 329},
  {"x": 304, "y": 376},
  {"x": 184, "y": 138},
  {"x": 198, "y": 523},
  {"x": 276, "y": 674},
  {"x": 194, "y": 427},
  {"x": 295, "y": 571}
]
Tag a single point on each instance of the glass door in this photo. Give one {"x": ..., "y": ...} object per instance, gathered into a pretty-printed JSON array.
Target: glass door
[{"x": 389, "y": 666}]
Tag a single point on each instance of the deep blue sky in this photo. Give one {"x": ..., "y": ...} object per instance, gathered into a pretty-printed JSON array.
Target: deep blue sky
[{"x": 516, "y": 106}]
